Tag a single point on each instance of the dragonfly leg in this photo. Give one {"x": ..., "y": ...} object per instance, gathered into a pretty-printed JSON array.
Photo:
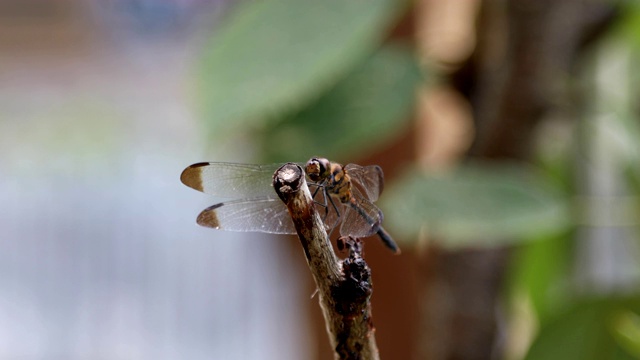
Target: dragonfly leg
[
  {"x": 326, "y": 195},
  {"x": 333, "y": 204},
  {"x": 325, "y": 205},
  {"x": 315, "y": 192}
]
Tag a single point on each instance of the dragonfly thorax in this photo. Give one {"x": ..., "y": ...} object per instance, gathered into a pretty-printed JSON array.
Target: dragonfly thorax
[{"x": 339, "y": 183}]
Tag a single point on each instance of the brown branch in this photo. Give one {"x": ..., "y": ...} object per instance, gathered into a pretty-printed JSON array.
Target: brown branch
[{"x": 344, "y": 287}]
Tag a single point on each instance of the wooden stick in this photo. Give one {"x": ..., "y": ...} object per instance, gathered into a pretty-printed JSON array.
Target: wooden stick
[{"x": 344, "y": 287}]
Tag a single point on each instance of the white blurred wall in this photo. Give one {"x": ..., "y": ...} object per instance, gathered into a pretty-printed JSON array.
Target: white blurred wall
[{"x": 100, "y": 256}]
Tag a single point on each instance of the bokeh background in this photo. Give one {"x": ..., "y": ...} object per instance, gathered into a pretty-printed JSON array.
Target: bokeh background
[{"x": 508, "y": 131}]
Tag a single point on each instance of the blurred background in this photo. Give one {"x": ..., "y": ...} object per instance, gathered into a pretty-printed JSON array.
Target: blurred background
[{"x": 508, "y": 131}]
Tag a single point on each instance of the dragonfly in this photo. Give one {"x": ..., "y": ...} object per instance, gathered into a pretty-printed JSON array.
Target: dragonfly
[{"x": 346, "y": 193}]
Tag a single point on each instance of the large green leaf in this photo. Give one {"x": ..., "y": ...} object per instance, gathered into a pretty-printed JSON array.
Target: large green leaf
[
  {"x": 475, "y": 205},
  {"x": 272, "y": 55},
  {"x": 589, "y": 330},
  {"x": 368, "y": 107}
]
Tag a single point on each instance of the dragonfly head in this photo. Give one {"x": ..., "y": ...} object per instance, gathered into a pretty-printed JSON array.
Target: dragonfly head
[{"x": 318, "y": 169}]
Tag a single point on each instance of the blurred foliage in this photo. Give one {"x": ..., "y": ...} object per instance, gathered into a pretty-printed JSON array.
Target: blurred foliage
[
  {"x": 542, "y": 269},
  {"x": 272, "y": 57},
  {"x": 625, "y": 328},
  {"x": 574, "y": 325},
  {"x": 591, "y": 330},
  {"x": 628, "y": 28},
  {"x": 475, "y": 205},
  {"x": 366, "y": 108}
]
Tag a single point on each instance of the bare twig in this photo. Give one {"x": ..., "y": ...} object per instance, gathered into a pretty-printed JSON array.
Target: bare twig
[{"x": 344, "y": 288}]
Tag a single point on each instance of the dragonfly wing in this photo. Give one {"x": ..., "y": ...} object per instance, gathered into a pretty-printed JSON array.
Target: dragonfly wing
[
  {"x": 331, "y": 218},
  {"x": 231, "y": 180},
  {"x": 368, "y": 179},
  {"x": 361, "y": 217},
  {"x": 267, "y": 215}
]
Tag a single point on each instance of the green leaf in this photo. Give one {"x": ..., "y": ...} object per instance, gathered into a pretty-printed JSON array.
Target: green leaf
[
  {"x": 586, "y": 331},
  {"x": 274, "y": 55},
  {"x": 368, "y": 107},
  {"x": 541, "y": 268},
  {"x": 626, "y": 331},
  {"x": 628, "y": 25},
  {"x": 475, "y": 205}
]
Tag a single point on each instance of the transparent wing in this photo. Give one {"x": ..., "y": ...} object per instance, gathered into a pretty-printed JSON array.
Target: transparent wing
[
  {"x": 231, "y": 180},
  {"x": 361, "y": 218},
  {"x": 264, "y": 214},
  {"x": 368, "y": 179}
]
